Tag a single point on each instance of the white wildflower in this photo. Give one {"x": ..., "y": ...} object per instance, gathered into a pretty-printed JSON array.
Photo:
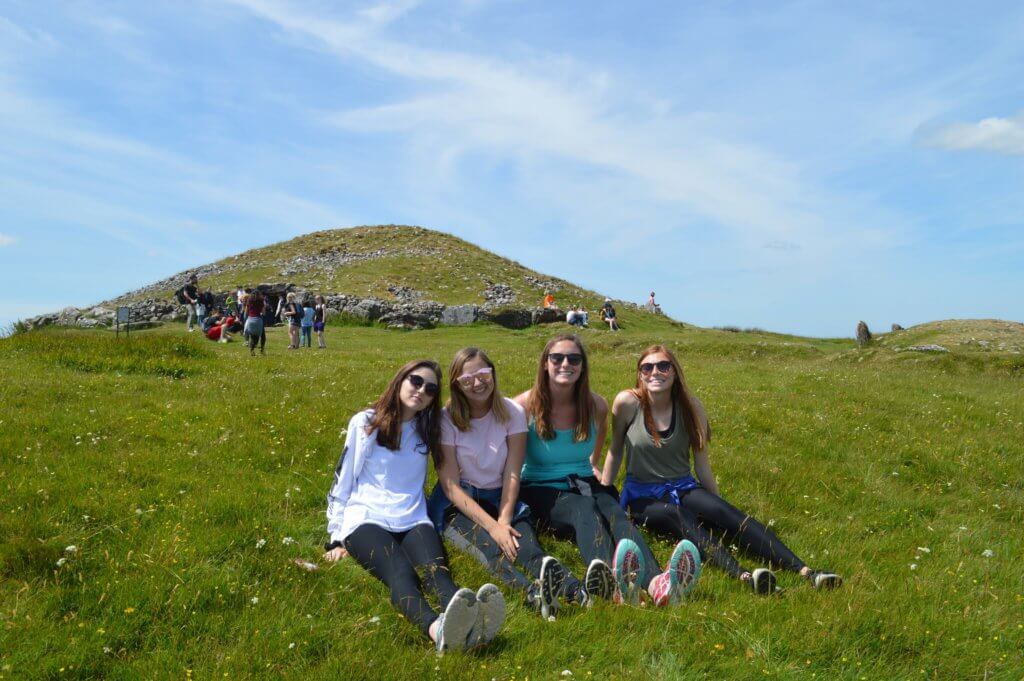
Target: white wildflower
[
  {"x": 566, "y": 672},
  {"x": 61, "y": 561},
  {"x": 963, "y": 528},
  {"x": 988, "y": 553},
  {"x": 290, "y": 646},
  {"x": 107, "y": 650},
  {"x": 70, "y": 549},
  {"x": 260, "y": 543},
  {"x": 913, "y": 566},
  {"x": 288, "y": 541},
  {"x": 254, "y": 600},
  {"x": 924, "y": 549}
]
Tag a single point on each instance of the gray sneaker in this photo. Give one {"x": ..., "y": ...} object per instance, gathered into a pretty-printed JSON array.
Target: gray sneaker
[
  {"x": 762, "y": 581},
  {"x": 490, "y": 616},
  {"x": 552, "y": 577},
  {"x": 457, "y": 621},
  {"x": 820, "y": 579}
]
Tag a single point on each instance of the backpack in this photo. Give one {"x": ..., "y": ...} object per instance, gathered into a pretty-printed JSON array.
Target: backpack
[{"x": 180, "y": 295}]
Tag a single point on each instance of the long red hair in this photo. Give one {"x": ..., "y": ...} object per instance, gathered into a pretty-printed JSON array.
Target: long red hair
[
  {"x": 696, "y": 427},
  {"x": 539, "y": 404}
]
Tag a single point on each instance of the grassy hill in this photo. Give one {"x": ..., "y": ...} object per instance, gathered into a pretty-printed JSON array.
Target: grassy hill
[
  {"x": 188, "y": 477},
  {"x": 366, "y": 261}
]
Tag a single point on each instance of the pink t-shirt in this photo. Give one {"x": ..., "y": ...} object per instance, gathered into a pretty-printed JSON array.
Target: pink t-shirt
[{"x": 481, "y": 451}]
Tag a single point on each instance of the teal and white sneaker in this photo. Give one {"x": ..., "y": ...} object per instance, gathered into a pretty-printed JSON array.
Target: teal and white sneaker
[
  {"x": 490, "y": 616},
  {"x": 457, "y": 621},
  {"x": 552, "y": 577},
  {"x": 599, "y": 582},
  {"x": 627, "y": 567},
  {"x": 679, "y": 577}
]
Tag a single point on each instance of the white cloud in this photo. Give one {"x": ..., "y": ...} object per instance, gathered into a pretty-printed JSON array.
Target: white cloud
[
  {"x": 1000, "y": 135},
  {"x": 552, "y": 107},
  {"x": 6, "y": 240}
]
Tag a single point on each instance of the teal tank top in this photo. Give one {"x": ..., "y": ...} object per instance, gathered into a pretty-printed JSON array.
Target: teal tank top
[{"x": 549, "y": 462}]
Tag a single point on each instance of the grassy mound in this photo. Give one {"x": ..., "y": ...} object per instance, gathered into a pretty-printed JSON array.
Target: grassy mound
[{"x": 158, "y": 489}]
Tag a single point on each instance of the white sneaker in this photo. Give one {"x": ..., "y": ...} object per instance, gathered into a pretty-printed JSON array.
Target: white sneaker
[
  {"x": 599, "y": 582},
  {"x": 490, "y": 616},
  {"x": 456, "y": 622}
]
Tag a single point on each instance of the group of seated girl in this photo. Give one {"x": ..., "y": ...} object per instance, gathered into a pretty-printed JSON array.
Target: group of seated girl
[{"x": 508, "y": 468}]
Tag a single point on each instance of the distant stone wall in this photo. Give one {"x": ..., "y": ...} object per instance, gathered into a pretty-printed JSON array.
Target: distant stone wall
[{"x": 408, "y": 312}]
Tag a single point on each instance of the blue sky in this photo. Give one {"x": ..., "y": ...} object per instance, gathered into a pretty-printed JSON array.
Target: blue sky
[{"x": 796, "y": 166}]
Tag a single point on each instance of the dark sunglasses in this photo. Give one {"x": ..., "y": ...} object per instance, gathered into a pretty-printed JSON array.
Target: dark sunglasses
[
  {"x": 556, "y": 358},
  {"x": 418, "y": 382},
  {"x": 663, "y": 367}
]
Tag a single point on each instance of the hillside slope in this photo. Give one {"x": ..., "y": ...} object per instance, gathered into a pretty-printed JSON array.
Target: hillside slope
[{"x": 387, "y": 262}]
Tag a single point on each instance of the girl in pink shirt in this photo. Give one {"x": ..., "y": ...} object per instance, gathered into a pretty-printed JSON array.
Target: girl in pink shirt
[{"x": 475, "y": 503}]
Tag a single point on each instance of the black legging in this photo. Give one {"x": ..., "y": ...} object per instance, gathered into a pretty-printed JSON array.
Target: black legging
[
  {"x": 701, "y": 516},
  {"x": 596, "y": 522},
  {"x": 476, "y": 540},
  {"x": 393, "y": 557}
]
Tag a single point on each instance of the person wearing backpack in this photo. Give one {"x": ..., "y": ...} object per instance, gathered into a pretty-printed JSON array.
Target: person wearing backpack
[{"x": 188, "y": 296}]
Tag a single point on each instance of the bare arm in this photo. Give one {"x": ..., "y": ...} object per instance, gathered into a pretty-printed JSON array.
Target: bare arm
[
  {"x": 510, "y": 477},
  {"x": 601, "y": 416},
  {"x": 623, "y": 410},
  {"x": 448, "y": 475},
  {"x": 702, "y": 466}
]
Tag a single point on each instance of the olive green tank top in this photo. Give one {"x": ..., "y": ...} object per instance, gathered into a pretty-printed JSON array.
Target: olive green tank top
[{"x": 647, "y": 463}]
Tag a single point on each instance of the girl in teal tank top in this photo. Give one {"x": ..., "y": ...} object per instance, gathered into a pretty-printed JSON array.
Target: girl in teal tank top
[{"x": 567, "y": 428}]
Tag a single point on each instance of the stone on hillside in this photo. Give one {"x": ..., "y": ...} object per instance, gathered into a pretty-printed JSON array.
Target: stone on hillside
[
  {"x": 863, "y": 334},
  {"x": 499, "y": 295},
  {"x": 68, "y": 316},
  {"x": 511, "y": 318},
  {"x": 405, "y": 294},
  {"x": 896, "y": 327},
  {"x": 545, "y": 284},
  {"x": 460, "y": 315},
  {"x": 927, "y": 348},
  {"x": 367, "y": 308},
  {"x": 546, "y": 316}
]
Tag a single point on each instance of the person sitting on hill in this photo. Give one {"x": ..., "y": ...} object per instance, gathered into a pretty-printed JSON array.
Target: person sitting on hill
[
  {"x": 549, "y": 300},
  {"x": 608, "y": 315},
  {"x": 660, "y": 423},
  {"x": 572, "y": 317},
  {"x": 220, "y": 332},
  {"x": 377, "y": 512}
]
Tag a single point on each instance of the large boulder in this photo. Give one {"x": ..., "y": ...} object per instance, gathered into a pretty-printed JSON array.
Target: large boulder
[
  {"x": 460, "y": 315},
  {"x": 511, "y": 318},
  {"x": 368, "y": 308},
  {"x": 863, "y": 334},
  {"x": 548, "y": 315}
]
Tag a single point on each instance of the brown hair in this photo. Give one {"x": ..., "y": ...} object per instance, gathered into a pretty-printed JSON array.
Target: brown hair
[
  {"x": 696, "y": 427},
  {"x": 539, "y": 404},
  {"x": 458, "y": 403},
  {"x": 387, "y": 413}
]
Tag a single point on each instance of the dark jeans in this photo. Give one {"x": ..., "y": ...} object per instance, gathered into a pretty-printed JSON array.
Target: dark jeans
[
  {"x": 707, "y": 519},
  {"x": 595, "y": 521},
  {"x": 477, "y": 541},
  {"x": 394, "y": 557}
]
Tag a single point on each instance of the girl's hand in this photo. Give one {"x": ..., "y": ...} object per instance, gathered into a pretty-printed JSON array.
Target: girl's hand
[
  {"x": 506, "y": 538},
  {"x": 597, "y": 472},
  {"x": 335, "y": 554}
]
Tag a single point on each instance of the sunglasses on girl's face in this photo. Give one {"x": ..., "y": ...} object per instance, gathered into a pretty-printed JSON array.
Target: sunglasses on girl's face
[
  {"x": 418, "y": 382},
  {"x": 663, "y": 367},
  {"x": 556, "y": 358},
  {"x": 482, "y": 375}
]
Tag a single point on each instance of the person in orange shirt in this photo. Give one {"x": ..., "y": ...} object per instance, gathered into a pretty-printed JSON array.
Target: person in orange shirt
[{"x": 549, "y": 299}]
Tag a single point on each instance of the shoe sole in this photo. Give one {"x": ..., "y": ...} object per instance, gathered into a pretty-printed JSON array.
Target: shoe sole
[
  {"x": 490, "y": 615},
  {"x": 684, "y": 570},
  {"x": 628, "y": 567},
  {"x": 599, "y": 581},
  {"x": 763, "y": 581},
  {"x": 827, "y": 581},
  {"x": 552, "y": 577},
  {"x": 459, "y": 619}
]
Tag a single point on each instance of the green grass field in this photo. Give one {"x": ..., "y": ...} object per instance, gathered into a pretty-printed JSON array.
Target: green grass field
[{"x": 188, "y": 477}]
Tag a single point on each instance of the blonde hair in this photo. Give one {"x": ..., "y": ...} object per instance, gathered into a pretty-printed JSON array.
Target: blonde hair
[
  {"x": 290, "y": 297},
  {"x": 458, "y": 403}
]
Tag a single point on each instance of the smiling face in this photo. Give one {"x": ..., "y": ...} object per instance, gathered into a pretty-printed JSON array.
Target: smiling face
[
  {"x": 564, "y": 372},
  {"x": 657, "y": 380},
  {"x": 476, "y": 382},
  {"x": 415, "y": 399}
]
